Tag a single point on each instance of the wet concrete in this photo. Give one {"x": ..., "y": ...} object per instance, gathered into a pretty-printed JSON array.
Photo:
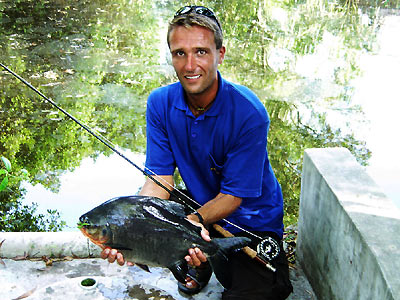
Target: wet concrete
[{"x": 62, "y": 280}]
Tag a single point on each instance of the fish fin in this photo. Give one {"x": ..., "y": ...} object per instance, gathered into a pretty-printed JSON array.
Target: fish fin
[
  {"x": 179, "y": 269},
  {"x": 227, "y": 245},
  {"x": 219, "y": 261},
  {"x": 176, "y": 209},
  {"x": 118, "y": 247},
  {"x": 143, "y": 267}
]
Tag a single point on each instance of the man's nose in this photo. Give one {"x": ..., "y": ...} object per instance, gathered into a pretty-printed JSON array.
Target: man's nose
[{"x": 190, "y": 63}]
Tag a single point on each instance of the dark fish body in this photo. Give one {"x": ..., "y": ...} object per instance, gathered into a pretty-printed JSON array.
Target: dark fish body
[{"x": 155, "y": 232}]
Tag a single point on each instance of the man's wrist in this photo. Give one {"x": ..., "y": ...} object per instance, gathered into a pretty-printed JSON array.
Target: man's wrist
[{"x": 199, "y": 217}]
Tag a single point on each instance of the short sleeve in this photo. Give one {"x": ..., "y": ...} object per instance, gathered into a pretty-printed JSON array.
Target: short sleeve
[
  {"x": 243, "y": 169},
  {"x": 159, "y": 157}
]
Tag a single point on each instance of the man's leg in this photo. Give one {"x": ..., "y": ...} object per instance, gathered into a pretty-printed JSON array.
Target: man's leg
[{"x": 251, "y": 280}]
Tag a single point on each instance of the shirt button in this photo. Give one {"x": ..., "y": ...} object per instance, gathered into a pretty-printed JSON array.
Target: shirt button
[
  {"x": 195, "y": 122},
  {"x": 194, "y": 135}
]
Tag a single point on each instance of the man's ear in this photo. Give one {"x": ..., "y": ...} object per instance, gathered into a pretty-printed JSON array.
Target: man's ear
[{"x": 221, "y": 51}]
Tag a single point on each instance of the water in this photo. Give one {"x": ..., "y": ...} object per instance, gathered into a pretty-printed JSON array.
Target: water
[
  {"x": 100, "y": 60},
  {"x": 379, "y": 94},
  {"x": 92, "y": 183}
]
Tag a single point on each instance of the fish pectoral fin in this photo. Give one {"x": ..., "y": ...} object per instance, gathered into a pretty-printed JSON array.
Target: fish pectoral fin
[
  {"x": 179, "y": 269},
  {"x": 118, "y": 247},
  {"x": 143, "y": 267}
]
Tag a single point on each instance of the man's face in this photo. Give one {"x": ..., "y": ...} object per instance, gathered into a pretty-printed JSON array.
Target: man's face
[{"x": 196, "y": 59}]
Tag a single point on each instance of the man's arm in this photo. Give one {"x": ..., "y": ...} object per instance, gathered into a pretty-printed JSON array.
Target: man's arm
[
  {"x": 218, "y": 208},
  {"x": 214, "y": 210},
  {"x": 150, "y": 188}
]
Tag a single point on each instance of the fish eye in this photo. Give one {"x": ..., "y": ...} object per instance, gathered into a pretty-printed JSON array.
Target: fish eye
[
  {"x": 84, "y": 219},
  {"x": 104, "y": 231}
]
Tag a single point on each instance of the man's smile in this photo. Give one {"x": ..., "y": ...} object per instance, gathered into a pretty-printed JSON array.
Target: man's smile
[{"x": 192, "y": 76}]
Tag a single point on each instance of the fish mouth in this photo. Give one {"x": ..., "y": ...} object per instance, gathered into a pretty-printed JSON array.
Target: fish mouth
[
  {"x": 84, "y": 231},
  {"x": 99, "y": 241}
]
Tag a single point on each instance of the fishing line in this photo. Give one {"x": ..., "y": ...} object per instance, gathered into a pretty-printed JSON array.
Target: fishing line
[
  {"x": 198, "y": 204},
  {"x": 146, "y": 171},
  {"x": 86, "y": 127}
]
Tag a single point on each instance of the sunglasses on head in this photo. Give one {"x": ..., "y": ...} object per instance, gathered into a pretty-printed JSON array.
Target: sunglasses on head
[{"x": 200, "y": 10}]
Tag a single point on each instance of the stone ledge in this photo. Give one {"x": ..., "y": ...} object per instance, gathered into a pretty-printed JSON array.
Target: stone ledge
[
  {"x": 347, "y": 241},
  {"x": 50, "y": 244}
]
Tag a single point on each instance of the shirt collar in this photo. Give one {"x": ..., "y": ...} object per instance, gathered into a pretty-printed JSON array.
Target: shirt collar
[{"x": 215, "y": 108}]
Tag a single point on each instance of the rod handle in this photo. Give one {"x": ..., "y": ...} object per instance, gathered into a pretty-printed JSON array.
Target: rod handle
[
  {"x": 225, "y": 233},
  {"x": 247, "y": 250}
]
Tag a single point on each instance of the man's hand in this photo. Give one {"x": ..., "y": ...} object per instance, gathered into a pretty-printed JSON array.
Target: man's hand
[
  {"x": 196, "y": 256},
  {"x": 204, "y": 232},
  {"x": 113, "y": 255}
]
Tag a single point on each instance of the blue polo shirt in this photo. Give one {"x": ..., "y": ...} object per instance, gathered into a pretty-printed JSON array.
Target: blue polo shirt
[{"x": 223, "y": 150}]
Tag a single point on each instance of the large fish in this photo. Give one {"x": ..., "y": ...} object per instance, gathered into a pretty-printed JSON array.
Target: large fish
[{"x": 154, "y": 232}]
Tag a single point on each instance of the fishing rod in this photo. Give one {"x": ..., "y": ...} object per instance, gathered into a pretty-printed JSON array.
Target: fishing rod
[
  {"x": 263, "y": 247},
  {"x": 98, "y": 136}
]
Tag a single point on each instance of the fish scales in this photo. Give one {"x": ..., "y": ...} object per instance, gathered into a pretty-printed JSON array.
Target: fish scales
[{"x": 154, "y": 232}]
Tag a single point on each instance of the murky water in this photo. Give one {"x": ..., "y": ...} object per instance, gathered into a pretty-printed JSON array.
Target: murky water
[{"x": 99, "y": 60}]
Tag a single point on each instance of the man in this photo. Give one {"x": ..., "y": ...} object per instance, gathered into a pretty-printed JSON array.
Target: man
[{"x": 215, "y": 132}]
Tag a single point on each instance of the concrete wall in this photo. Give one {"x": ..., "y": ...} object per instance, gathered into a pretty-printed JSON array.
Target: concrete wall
[
  {"x": 50, "y": 244},
  {"x": 349, "y": 231}
]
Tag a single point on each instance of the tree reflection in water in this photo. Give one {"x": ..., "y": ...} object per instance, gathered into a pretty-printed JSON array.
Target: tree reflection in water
[{"x": 99, "y": 60}]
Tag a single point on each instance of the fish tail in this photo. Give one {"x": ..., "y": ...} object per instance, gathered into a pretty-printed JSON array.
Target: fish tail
[
  {"x": 219, "y": 261},
  {"x": 230, "y": 244}
]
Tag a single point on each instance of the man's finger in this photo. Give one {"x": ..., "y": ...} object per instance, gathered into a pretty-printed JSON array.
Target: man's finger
[
  {"x": 195, "y": 261},
  {"x": 196, "y": 257},
  {"x": 205, "y": 234},
  {"x": 120, "y": 259},
  {"x": 112, "y": 256},
  {"x": 104, "y": 254},
  {"x": 200, "y": 255},
  {"x": 189, "y": 260}
]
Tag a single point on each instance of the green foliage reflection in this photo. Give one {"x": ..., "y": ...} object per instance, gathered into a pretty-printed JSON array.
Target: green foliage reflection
[
  {"x": 18, "y": 217},
  {"x": 267, "y": 41},
  {"x": 100, "y": 59}
]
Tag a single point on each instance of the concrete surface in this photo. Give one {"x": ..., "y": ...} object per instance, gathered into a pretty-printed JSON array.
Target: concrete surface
[
  {"x": 28, "y": 270},
  {"x": 348, "y": 230},
  {"x": 50, "y": 244},
  {"x": 62, "y": 281}
]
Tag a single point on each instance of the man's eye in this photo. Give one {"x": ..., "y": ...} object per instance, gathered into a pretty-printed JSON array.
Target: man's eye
[
  {"x": 201, "y": 52},
  {"x": 179, "y": 53}
]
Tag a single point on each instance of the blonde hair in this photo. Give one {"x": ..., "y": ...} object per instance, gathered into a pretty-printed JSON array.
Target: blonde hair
[{"x": 189, "y": 20}]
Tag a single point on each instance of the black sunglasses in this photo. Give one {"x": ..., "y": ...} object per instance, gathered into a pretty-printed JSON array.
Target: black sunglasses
[{"x": 201, "y": 10}]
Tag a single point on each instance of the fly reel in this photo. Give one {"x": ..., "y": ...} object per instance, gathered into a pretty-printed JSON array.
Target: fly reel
[{"x": 268, "y": 249}]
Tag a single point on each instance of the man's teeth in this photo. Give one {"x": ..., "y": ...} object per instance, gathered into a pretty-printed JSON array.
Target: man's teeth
[{"x": 193, "y": 77}]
